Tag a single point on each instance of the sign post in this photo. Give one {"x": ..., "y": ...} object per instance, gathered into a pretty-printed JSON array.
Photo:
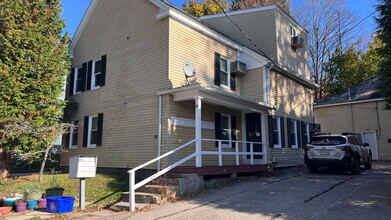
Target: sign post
[{"x": 82, "y": 167}]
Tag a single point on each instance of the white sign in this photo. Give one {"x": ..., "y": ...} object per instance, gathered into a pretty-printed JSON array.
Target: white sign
[{"x": 82, "y": 167}]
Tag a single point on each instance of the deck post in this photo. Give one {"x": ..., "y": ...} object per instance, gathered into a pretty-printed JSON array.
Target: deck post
[
  {"x": 132, "y": 205},
  {"x": 198, "y": 100}
]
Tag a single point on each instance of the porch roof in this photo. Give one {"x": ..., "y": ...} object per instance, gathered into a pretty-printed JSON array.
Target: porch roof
[{"x": 217, "y": 96}]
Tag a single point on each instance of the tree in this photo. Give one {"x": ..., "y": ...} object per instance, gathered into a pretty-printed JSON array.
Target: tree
[
  {"x": 384, "y": 32},
  {"x": 204, "y": 7},
  {"x": 34, "y": 63},
  {"x": 330, "y": 25},
  {"x": 243, "y": 4}
]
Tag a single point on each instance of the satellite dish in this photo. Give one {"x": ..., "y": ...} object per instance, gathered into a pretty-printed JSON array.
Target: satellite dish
[{"x": 188, "y": 68}]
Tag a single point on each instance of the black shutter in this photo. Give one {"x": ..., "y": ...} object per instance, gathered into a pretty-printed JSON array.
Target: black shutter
[
  {"x": 270, "y": 125},
  {"x": 83, "y": 77},
  {"x": 85, "y": 131},
  {"x": 89, "y": 75},
  {"x": 289, "y": 131},
  {"x": 103, "y": 70},
  {"x": 233, "y": 81},
  {"x": 217, "y": 69},
  {"x": 298, "y": 135},
  {"x": 217, "y": 127},
  {"x": 304, "y": 140},
  {"x": 233, "y": 130},
  {"x": 67, "y": 138},
  {"x": 282, "y": 119},
  {"x": 71, "y": 81},
  {"x": 100, "y": 130}
]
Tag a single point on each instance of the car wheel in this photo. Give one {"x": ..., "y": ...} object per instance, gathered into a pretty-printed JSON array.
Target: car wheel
[
  {"x": 312, "y": 169},
  {"x": 355, "y": 166},
  {"x": 368, "y": 164}
]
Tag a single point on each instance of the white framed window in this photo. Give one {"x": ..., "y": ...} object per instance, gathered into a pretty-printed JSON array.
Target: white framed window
[
  {"x": 78, "y": 81},
  {"x": 306, "y": 134},
  {"x": 293, "y": 31},
  {"x": 226, "y": 127},
  {"x": 225, "y": 73},
  {"x": 96, "y": 74},
  {"x": 266, "y": 85},
  {"x": 277, "y": 132},
  {"x": 92, "y": 131},
  {"x": 293, "y": 134},
  {"x": 73, "y": 135}
]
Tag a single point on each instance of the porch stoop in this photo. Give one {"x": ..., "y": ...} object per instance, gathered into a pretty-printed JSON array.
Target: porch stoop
[
  {"x": 161, "y": 190},
  {"x": 218, "y": 170}
]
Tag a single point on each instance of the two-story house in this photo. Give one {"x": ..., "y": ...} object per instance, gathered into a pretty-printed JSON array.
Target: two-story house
[{"x": 149, "y": 78}]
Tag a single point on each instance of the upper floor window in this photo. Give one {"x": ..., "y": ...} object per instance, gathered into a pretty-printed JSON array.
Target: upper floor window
[
  {"x": 74, "y": 133},
  {"x": 96, "y": 74},
  {"x": 222, "y": 75},
  {"x": 293, "y": 31}
]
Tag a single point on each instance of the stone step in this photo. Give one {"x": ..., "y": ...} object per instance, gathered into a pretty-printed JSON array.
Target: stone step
[
  {"x": 165, "y": 191},
  {"x": 124, "y": 206},
  {"x": 141, "y": 197}
]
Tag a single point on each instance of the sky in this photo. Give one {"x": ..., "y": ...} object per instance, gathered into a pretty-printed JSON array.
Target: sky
[{"x": 75, "y": 9}]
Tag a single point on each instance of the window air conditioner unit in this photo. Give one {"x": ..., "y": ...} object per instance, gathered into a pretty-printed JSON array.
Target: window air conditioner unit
[
  {"x": 238, "y": 67},
  {"x": 297, "y": 42}
]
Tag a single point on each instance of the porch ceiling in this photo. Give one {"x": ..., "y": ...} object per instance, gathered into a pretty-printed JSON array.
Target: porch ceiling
[{"x": 217, "y": 96}]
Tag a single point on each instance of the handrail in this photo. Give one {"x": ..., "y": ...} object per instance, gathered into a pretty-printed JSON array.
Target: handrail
[{"x": 132, "y": 172}]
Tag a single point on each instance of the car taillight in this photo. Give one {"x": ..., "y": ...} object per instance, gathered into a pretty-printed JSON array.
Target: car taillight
[{"x": 344, "y": 148}]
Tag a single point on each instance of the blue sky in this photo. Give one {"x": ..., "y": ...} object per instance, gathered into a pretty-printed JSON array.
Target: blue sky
[{"x": 74, "y": 11}]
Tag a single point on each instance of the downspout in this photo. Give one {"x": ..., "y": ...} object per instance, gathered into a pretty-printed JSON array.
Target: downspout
[
  {"x": 378, "y": 120},
  {"x": 352, "y": 118},
  {"x": 159, "y": 135}
]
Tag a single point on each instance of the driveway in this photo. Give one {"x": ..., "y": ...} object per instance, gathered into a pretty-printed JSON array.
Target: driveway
[{"x": 290, "y": 194}]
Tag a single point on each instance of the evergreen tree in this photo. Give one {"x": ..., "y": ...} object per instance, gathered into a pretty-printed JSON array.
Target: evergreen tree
[
  {"x": 384, "y": 32},
  {"x": 34, "y": 63}
]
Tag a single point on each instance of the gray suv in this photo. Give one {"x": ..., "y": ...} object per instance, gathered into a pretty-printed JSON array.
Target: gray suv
[{"x": 344, "y": 151}]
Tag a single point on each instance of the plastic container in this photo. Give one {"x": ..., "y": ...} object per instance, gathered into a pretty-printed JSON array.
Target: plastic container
[
  {"x": 42, "y": 203},
  {"x": 31, "y": 204},
  {"x": 59, "y": 204},
  {"x": 9, "y": 201}
]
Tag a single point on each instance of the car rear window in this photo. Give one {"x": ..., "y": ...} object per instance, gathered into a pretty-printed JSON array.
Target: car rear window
[{"x": 327, "y": 140}]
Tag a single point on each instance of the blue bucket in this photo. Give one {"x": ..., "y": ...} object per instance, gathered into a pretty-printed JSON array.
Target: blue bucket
[{"x": 31, "y": 204}]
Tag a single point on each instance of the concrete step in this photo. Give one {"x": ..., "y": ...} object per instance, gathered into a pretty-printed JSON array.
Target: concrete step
[
  {"x": 124, "y": 206},
  {"x": 165, "y": 191},
  {"x": 141, "y": 197}
]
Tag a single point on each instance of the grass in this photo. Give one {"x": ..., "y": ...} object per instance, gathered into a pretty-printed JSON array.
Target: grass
[{"x": 100, "y": 190}]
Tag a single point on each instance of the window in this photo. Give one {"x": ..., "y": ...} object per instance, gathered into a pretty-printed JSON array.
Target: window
[
  {"x": 78, "y": 83},
  {"x": 306, "y": 134},
  {"x": 96, "y": 74},
  {"x": 293, "y": 31},
  {"x": 293, "y": 134},
  {"x": 74, "y": 132},
  {"x": 225, "y": 130},
  {"x": 276, "y": 132},
  {"x": 224, "y": 73},
  {"x": 93, "y": 131}
]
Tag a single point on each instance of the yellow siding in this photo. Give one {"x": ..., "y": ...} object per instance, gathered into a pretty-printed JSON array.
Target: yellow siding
[
  {"x": 253, "y": 84},
  {"x": 261, "y": 29},
  {"x": 366, "y": 117},
  {"x": 136, "y": 44},
  {"x": 294, "y": 59},
  {"x": 188, "y": 44}
]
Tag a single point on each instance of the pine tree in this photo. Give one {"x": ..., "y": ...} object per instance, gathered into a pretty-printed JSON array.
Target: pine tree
[
  {"x": 34, "y": 62},
  {"x": 384, "y": 33}
]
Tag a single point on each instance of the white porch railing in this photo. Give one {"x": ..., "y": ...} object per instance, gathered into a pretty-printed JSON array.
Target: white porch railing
[{"x": 132, "y": 173}]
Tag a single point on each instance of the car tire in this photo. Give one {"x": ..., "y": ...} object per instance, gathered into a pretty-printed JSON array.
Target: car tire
[
  {"x": 368, "y": 164},
  {"x": 312, "y": 169},
  {"x": 355, "y": 169}
]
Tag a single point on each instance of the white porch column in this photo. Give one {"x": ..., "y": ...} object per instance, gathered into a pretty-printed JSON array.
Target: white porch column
[{"x": 198, "y": 130}]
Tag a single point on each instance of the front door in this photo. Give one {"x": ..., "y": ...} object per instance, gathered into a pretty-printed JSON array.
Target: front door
[
  {"x": 370, "y": 138},
  {"x": 254, "y": 133}
]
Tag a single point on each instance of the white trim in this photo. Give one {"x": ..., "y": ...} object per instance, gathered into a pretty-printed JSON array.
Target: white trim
[
  {"x": 228, "y": 86},
  {"x": 82, "y": 25},
  {"x": 307, "y": 130},
  {"x": 296, "y": 134},
  {"x": 188, "y": 122},
  {"x": 89, "y": 145},
  {"x": 266, "y": 84},
  {"x": 225, "y": 145},
  {"x": 279, "y": 145},
  {"x": 76, "y": 76},
  {"x": 348, "y": 103},
  {"x": 93, "y": 77},
  {"x": 256, "y": 9},
  {"x": 71, "y": 136}
]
